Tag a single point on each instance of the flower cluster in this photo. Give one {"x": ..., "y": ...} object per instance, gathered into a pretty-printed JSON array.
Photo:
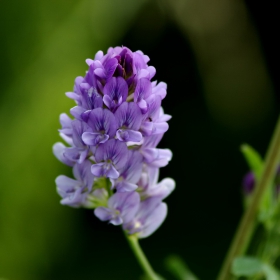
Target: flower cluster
[{"x": 118, "y": 122}]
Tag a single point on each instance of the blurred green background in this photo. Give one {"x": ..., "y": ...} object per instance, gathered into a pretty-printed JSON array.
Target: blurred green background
[{"x": 219, "y": 60}]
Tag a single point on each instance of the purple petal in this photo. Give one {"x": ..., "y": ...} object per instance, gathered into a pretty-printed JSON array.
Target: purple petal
[
  {"x": 116, "y": 90},
  {"x": 125, "y": 186},
  {"x": 153, "y": 220},
  {"x": 77, "y": 112},
  {"x": 99, "y": 55},
  {"x": 103, "y": 213},
  {"x": 149, "y": 217},
  {"x": 157, "y": 157},
  {"x": 133, "y": 167},
  {"x": 82, "y": 172},
  {"x": 125, "y": 202},
  {"x": 59, "y": 150},
  {"x": 160, "y": 90},
  {"x": 160, "y": 127},
  {"x": 79, "y": 128},
  {"x": 93, "y": 138},
  {"x": 143, "y": 90},
  {"x": 110, "y": 66},
  {"x": 129, "y": 115},
  {"x": 113, "y": 150},
  {"x": 162, "y": 189},
  {"x": 129, "y": 135},
  {"x": 105, "y": 169},
  {"x": 102, "y": 120}
]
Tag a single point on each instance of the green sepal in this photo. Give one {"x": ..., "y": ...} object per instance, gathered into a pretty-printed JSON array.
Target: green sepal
[{"x": 178, "y": 268}]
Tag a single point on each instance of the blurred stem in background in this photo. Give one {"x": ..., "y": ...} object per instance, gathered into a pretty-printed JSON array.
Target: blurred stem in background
[
  {"x": 249, "y": 221},
  {"x": 236, "y": 84}
]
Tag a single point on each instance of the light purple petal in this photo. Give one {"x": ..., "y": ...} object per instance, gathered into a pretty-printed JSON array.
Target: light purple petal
[
  {"x": 153, "y": 221},
  {"x": 93, "y": 138},
  {"x": 148, "y": 218},
  {"x": 129, "y": 135},
  {"x": 113, "y": 150},
  {"x": 124, "y": 186},
  {"x": 125, "y": 202},
  {"x": 104, "y": 169},
  {"x": 103, "y": 213},
  {"x": 157, "y": 157},
  {"x": 77, "y": 112},
  {"x": 59, "y": 150}
]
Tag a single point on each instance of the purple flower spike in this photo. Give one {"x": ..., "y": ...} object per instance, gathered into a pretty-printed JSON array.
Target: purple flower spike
[
  {"x": 110, "y": 157},
  {"x": 115, "y": 92},
  {"x": 118, "y": 123},
  {"x": 129, "y": 119},
  {"x": 149, "y": 217},
  {"x": 122, "y": 208},
  {"x": 103, "y": 125},
  {"x": 74, "y": 192}
]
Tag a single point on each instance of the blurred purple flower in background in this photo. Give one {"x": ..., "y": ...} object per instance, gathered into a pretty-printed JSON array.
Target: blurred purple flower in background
[{"x": 118, "y": 122}]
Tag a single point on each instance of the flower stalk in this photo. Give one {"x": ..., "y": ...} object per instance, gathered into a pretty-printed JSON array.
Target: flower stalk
[
  {"x": 248, "y": 222},
  {"x": 140, "y": 256}
]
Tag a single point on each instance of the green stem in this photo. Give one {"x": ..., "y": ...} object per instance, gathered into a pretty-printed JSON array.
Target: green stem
[
  {"x": 247, "y": 225},
  {"x": 139, "y": 254}
]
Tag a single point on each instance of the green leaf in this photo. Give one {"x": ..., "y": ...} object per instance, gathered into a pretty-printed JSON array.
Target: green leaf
[
  {"x": 179, "y": 269},
  {"x": 246, "y": 266},
  {"x": 253, "y": 159},
  {"x": 270, "y": 272}
]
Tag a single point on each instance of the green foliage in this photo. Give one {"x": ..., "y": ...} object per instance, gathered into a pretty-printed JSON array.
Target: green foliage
[
  {"x": 252, "y": 266},
  {"x": 179, "y": 269},
  {"x": 253, "y": 159}
]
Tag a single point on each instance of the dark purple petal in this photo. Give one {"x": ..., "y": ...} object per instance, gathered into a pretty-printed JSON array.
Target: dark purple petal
[
  {"x": 115, "y": 92},
  {"x": 110, "y": 66},
  {"x": 248, "y": 183}
]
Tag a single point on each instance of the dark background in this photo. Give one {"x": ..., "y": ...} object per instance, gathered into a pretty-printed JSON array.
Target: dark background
[{"x": 220, "y": 63}]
